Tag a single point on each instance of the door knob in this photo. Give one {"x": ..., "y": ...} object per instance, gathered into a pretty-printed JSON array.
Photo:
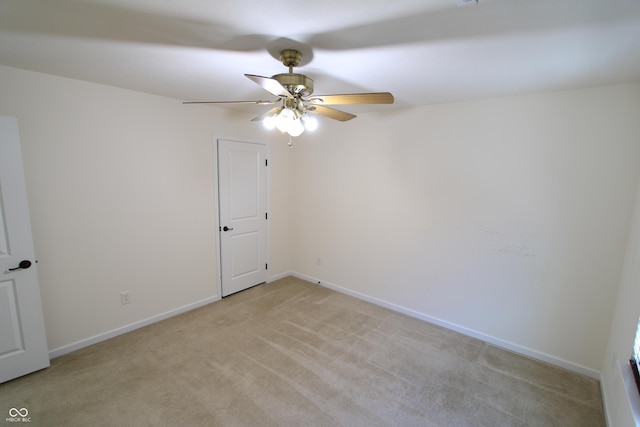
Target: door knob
[
  {"x": 24, "y": 264},
  {"x": 225, "y": 228}
]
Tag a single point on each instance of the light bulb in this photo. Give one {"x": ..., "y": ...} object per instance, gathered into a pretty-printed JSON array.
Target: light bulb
[
  {"x": 284, "y": 119},
  {"x": 269, "y": 122},
  {"x": 295, "y": 128},
  {"x": 310, "y": 122}
]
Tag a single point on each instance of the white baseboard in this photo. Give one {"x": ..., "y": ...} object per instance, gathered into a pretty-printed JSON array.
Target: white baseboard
[
  {"x": 525, "y": 351},
  {"x": 281, "y": 276},
  {"x": 60, "y": 351},
  {"x": 128, "y": 328},
  {"x": 400, "y": 309}
]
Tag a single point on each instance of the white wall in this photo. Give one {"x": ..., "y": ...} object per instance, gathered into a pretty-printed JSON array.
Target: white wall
[
  {"x": 121, "y": 192},
  {"x": 623, "y": 329},
  {"x": 506, "y": 218}
]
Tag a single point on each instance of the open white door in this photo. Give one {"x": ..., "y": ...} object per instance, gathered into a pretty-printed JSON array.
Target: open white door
[
  {"x": 23, "y": 344},
  {"x": 242, "y": 193}
]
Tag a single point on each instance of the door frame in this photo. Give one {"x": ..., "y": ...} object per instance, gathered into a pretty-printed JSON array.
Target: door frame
[{"x": 216, "y": 200}]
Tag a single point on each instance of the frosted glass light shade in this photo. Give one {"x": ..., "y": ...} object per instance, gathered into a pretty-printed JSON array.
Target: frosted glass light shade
[
  {"x": 292, "y": 122},
  {"x": 269, "y": 122},
  {"x": 310, "y": 122},
  {"x": 283, "y": 120},
  {"x": 295, "y": 128}
]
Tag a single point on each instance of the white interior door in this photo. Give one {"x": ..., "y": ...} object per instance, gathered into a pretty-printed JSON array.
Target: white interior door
[
  {"x": 23, "y": 344},
  {"x": 242, "y": 193}
]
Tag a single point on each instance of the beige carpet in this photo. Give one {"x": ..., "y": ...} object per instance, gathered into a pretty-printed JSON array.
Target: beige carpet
[{"x": 291, "y": 353}]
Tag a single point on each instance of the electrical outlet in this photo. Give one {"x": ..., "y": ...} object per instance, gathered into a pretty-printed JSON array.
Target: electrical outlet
[
  {"x": 318, "y": 261},
  {"x": 125, "y": 297}
]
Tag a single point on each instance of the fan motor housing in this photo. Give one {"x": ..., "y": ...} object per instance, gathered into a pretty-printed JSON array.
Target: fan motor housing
[{"x": 296, "y": 84}]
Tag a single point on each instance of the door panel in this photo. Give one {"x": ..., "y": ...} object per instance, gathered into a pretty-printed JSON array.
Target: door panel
[
  {"x": 245, "y": 255},
  {"x": 23, "y": 345},
  {"x": 242, "y": 196},
  {"x": 244, "y": 183},
  {"x": 9, "y": 322}
]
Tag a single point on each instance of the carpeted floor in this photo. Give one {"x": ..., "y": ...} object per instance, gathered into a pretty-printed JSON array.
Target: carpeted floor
[{"x": 291, "y": 353}]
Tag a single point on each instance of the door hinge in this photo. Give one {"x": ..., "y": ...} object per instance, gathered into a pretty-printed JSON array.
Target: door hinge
[
  {"x": 266, "y": 266},
  {"x": 266, "y": 215},
  {"x": 266, "y": 162}
]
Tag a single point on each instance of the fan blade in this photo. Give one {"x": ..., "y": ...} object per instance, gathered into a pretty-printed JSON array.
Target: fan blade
[
  {"x": 354, "y": 98},
  {"x": 266, "y": 114},
  {"x": 232, "y": 102},
  {"x": 331, "y": 113},
  {"x": 270, "y": 85}
]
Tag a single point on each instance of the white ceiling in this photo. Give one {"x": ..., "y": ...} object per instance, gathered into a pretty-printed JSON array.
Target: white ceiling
[{"x": 423, "y": 51}]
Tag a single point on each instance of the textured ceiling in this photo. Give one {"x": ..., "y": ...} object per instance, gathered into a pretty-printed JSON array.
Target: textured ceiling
[{"x": 423, "y": 51}]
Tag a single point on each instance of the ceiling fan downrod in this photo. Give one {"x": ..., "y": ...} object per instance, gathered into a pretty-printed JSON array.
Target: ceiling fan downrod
[{"x": 290, "y": 58}]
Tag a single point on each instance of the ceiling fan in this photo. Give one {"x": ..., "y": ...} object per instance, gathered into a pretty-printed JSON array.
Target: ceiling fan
[{"x": 297, "y": 104}]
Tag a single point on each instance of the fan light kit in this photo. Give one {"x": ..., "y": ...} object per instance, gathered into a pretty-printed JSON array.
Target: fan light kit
[{"x": 295, "y": 114}]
